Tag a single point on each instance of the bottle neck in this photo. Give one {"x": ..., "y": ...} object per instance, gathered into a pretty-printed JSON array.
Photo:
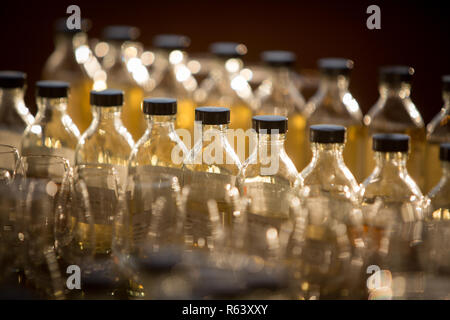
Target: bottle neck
[
  {"x": 12, "y": 106},
  {"x": 106, "y": 116},
  {"x": 400, "y": 90},
  {"x": 334, "y": 85},
  {"x": 391, "y": 162},
  {"x": 51, "y": 106},
  {"x": 446, "y": 98},
  {"x": 445, "y": 165},
  {"x": 327, "y": 153},
  {"x": 281, "y": 79},
  {"x": 13, "y": 96},
  {"x": 158, "y": 122},
  {"x": 271, "y": 143}
]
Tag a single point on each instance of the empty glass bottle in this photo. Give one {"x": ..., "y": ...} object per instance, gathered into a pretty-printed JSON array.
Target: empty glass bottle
[
  {"x": 394, "y": 112},
  {"x": 63, "y": 65},
  {"x": 14, "y": 115},
  {"x": 173, "y": 78},
  {"x": 160, "y": 148},
  {"x": 330, "y": 245},
  {"x": 333, "y": 103},
  {"x": 211, "y": 163},
  {"x": 279, "y": 95},
  {"x": 106, "y": 141},
  {"x": 439, "y": 218},
  {"x": 438, "y": 131},
  {"x": 121, "y": 40},
  {"x": 53, "y": 132},
  {"x": 392, "y": 207}
]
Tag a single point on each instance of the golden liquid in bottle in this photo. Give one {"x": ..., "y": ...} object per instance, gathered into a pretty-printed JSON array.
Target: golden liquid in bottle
[
  {"x": 241, "y": 118},
  {"x": 296, "y": 144},
  {"x": 79, "y": 107},
  {"x": 132, "y": 116},
  {"x": 103, "y": 237},
  {"x": 185, "y": 118},
  {"x": 432, "y": 166}
]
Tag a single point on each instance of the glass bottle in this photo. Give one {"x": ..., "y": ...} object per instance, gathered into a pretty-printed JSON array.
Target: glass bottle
[
  {"x": 279, "y": 95},
  {"x": 173, "y": 78},
  {"x": 53, "y": 132},
  {"x": 227, "y": 85},
  {"x": 269, "y": 177},
  {"x": 392, "y": 207},
  {"x": 106, "y": 141},
  {"x": 394, "y": 112},
  {"x": 63, "y": 65},
  {"x": 333, "y": 103},
  {"x": 121, "y": 41},
  {"x": 332, "y": 244},
  {"x": 158, "y": 146},
  {"x": 211, "y": 163},
  {"x": 14, "y": 115},
  {"x": 438, "y": 131},
  {"x": 439, "y": 219}
]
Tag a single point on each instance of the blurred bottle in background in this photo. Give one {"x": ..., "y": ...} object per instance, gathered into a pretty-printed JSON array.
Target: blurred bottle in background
[
  {"x": 63, "y": 65},
  {"x": 394, "y": 112},
  {"x": 121, "y": 47},
  {"x": 14, "y": 115},
  {"x": 438, "y": 131},
  {"x": 173, "y": 78},
  {"x": 333, "y": 103},
  {"x": 53, "y": 132},
  {"x": 393, "y": 207},
  {"x": 106, "y": 141},
  {"x": 279, "y": 95}
]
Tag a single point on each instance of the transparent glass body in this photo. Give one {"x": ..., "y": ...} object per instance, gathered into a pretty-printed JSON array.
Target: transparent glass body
[
  {"x": 52, "y": 133},
  {"x": 62, "y": 65},
  {"x": 332, "y": 247},
  {"x": 394, "y": 112},
  {"x": 106, "y": 141},
  {"x": 393, "y": 213},
  {"x": 119, "y": 77},
  {"x": 439, "y": 223},
  {"x": 211, "y": 163},
  {"x": 174, "y": 80},
  {"x": 279, "y": 95},
  {"x": 157, "y": 147},
  {"x": 14, "y": 116},
  {"x": 333, "y": 103},
  {"x": 438, "y": 131}
]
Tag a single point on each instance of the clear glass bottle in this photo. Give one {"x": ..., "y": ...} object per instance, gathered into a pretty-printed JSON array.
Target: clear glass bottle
[
  {"x": 160, "y": 148},
  {"x": 438, "y": 131},
  {"x": 106, "y": 141},
  {"x": 122, "y": 40},
  {"x": 62, "y": 65},
  {"x": 173, "y": 78},
  {"x": 279, "y": 95},
  {"x": 53, "y": 132},
  {"x": 333, "y": 103},
  {"x": 269, "y": 177},
  {"x": 394, "y": 112},
  {"x": 332, "y": 246},
  {"x": 211, "y": 163},
  {"x": 14, "y": 115},
  {"x": 227, "y": 85},
  {"x": 392, "y": 207},
  {"x": 439, "y": 218}
]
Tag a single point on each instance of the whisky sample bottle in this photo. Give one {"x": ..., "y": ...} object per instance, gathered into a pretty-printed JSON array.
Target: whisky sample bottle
[
  {"x": 14, "y": 115},
  {"x": 438, "y": 131},
  {"x": 395, "y": 112},
  {"x": 333, "y": 103},
  {"x": 53, "y": 132}
]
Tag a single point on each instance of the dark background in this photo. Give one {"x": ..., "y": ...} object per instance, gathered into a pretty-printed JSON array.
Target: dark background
[{"x": 411, "y": 33}]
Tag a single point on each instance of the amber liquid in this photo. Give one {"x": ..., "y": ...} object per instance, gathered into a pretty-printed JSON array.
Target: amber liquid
[
  {"x": 296, "y": 144},
  {"x": 241, "y": 118},
  {"x": 132, "y": 116},
  {"x": 79, "y": 108},
  {"x": 185, "y": 119},
  {"x": 103, "y": 237},
  {"x": 432, "y": 166}
]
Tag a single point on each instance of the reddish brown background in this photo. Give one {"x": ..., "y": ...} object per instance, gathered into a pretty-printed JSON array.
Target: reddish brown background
[{"x": 414, "y": 34}]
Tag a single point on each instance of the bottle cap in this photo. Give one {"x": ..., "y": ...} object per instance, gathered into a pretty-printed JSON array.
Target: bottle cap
[
  {"x": 159, "y": 106},
  {"x": 107, "y": 98},
  {"x": 120, "y": 33},
  {"x": 228, "y": 49},
  {"x": 396, "y": 74},
  {"x": 12, "y": 79},
  {"x": 171, "y": 42},
  {"x": 444, "y": 151},
  {"x": 269, "y": 123},
  {"x": 335, "y": 66},
  {"x": 61, "y": 26},
  {"x": 212, "y": 115},
  {"x": 327, "y": 133},
  {"x": 390, "y": 142},
  {"x": 279, "y": 58},
  {"x": 52, "y": 89},
  {"x": 446, "y": 82}
]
